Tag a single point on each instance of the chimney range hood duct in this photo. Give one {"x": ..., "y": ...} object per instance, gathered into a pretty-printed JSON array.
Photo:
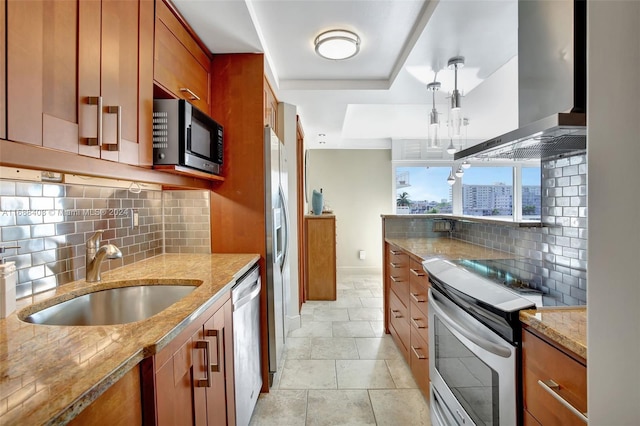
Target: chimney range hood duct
[{"x": 551, "y": 85}]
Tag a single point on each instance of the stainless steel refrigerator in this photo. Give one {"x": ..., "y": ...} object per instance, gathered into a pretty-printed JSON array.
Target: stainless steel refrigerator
[{"x": 277, "y": 246}]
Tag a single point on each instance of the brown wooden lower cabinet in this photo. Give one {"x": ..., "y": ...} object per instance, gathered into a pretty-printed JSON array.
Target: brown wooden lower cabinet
[
  {"x": 419, "y": 360},
  {"x": 406, "y": 317},
  {"x": 320, "y": 257},
  {"x": 547, "y": 364},
  {"x": 118, "y": 405},
  {"x": 190, "y": 381}
]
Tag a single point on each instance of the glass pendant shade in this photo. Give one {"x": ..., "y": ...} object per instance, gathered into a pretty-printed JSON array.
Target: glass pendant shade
[
  {"x": 455, "y": 105},
  {"x": 466, "y": 164},
  {"x": 451, "y": 180},
  {"x": 434, "y": 117},
  {"x": 451, "y": 149},
  {"x": 459, "y": 172}
]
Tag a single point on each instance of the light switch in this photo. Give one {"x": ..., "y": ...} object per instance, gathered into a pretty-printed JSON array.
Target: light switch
[{"x": 134, "y": 218}]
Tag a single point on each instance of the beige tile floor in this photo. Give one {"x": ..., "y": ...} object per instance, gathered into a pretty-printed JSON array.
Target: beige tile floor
[{"x": 341, "y": 369}]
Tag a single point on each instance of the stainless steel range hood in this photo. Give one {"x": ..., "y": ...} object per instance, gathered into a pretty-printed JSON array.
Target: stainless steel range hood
[{"x": 551, "y": 85}]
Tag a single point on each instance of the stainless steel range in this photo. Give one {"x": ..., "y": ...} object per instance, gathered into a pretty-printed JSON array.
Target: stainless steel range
[{"x": 474, "y": 355}]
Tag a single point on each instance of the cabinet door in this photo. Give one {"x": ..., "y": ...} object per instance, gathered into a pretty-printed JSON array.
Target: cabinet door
[
  {"x": 217, "y": 330},
  {"x": 41, "y": 73},
  {"x": 181, "y": 66},
  {"x": 119, "y": 80},
  {"x": 114, "y": 55},
  {"x": 320, "y": 267},
  {"x": 175, "y": 400},
  {"x": 3, "y": 70}
]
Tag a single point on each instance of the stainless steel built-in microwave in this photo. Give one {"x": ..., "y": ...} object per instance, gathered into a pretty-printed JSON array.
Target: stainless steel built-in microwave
[{"x": 185, "y": 136}]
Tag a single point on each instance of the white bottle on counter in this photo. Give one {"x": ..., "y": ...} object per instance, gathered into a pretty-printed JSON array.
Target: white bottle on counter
[{"x": 7, "y": 288}]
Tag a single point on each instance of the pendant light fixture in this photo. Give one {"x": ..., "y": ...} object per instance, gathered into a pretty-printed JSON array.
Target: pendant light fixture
[
  {"x": 455, "y": 106},
  {"x": 459, "y": 171},
  {"x": 434, "y": 119},
  {"x": 466, "y": 164},
  {"x": 451, "y": 149},
  {"x": 451, "y": 180}
]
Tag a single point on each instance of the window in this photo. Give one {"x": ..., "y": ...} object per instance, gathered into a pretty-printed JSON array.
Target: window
[
  {"x": 531, "y": 192},
  {"x": 422, "y": 190},
  {"x": 488, "y": 191}
]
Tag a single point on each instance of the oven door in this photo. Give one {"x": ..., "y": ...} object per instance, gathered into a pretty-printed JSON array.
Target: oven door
[{"x": 472, "y": 369}]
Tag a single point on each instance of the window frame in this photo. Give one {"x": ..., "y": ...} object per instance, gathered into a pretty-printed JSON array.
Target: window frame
[{"x": 456, "y": 194}]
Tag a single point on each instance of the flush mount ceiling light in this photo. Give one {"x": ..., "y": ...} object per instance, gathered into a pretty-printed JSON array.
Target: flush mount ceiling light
[
  {"x": 434, "y": 119},
  {"x": 337, "y": 44}
]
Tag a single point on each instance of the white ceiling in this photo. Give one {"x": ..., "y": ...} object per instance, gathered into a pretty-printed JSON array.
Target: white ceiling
[{"x": 379, "y": 95}]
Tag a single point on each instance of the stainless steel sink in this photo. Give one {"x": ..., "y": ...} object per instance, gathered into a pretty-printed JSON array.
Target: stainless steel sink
[{"x": 112, "y": 306}]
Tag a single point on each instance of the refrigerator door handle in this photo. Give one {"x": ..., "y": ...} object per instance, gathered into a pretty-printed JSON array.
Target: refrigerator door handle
[{"x": 285, "y": 226}]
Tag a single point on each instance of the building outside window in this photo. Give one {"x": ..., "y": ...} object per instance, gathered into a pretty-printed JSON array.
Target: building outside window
[
  {"x": 531, "y": 193},
  {"x": 422, "y": 190},
  {"x": 488, "y": 191}
]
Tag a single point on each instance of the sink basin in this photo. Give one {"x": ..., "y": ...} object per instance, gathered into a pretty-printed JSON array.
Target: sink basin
[{"x": 112, "y": 306}]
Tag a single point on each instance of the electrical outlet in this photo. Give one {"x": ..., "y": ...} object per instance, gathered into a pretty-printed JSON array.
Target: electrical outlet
[{"x": 362, "y": 255}]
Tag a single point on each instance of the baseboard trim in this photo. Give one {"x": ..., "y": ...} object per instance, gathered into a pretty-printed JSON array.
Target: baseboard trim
[
  {"x": 293, "y": 323},
  {"x": 359, "y": 270}
]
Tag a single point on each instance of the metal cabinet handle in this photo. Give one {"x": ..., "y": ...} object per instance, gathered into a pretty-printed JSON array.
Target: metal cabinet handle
[
  {"x": 117, "y": 110},
  {"x": 206, "y": 382},
  {"x": 395, "y": 252},
  {"x": 217, "y": 334},
  {"x": 552, "y": 388},
  {"x": 396, "y": 313},
  {"x": 417, "y": 272},
  {"x": 418, "y": 354},
  {"x": 193, "y": 96},
  {"x": 96, "y": 100},
  {"x": 395, "y": 265},
  {"x": 414, "y": 321},
  {"x": 396, "y": 279},
  {"x": 415, "y": 296}
]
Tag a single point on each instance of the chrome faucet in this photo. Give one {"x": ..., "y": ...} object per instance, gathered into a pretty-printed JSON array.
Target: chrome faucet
[{"x": 96, "y": 254}]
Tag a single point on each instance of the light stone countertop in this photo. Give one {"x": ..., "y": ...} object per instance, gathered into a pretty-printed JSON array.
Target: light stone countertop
[
  {"x": 447, "y": 248},
  {"x": 566, "y": 326},
  {"x": 48, "y": 374}
]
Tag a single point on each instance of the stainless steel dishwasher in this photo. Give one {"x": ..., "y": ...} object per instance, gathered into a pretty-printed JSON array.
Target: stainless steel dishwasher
[{"x": 245, "y": 297}]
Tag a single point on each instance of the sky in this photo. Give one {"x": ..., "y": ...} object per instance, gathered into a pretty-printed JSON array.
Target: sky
[{"x": 430, "y": 183}]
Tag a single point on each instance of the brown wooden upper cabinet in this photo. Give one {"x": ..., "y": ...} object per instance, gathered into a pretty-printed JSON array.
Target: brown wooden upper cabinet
[
  {"x": 181, "y": 67},
  {"x": 270, "y": 107},
  {"x": 79, "y": 77},
  {"x": 3, "y": 73}
]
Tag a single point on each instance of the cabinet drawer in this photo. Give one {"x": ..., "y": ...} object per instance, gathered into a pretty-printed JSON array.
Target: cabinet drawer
[
  {"x": 418, "y": 295},
  {"x": 419, "y": 321},
  {"x": 399, "y": 323},
  {"x": 180, "y": 65},
  {"x": 543, "y": 362},
  {"x": 398, "y": 256},
  {"x": 529, "y": 420},
  {"x": 419, "y": 360},
  {"x": 417, "y": 274},
  {"x": 398, "y": 273}
]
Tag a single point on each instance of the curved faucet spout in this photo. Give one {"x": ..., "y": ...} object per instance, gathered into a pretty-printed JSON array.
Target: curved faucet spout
[{"x": 95, "y": 255}]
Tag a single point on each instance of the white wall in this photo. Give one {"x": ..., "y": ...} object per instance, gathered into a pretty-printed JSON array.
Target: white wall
[
  {"x": 356, "y": 184},
  {"x": 614, "y": 212}
]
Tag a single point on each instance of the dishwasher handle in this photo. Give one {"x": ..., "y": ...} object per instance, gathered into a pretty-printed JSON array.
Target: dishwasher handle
[{"x": 255, "y": 291}]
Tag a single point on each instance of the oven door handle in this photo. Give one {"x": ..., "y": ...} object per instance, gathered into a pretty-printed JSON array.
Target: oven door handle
[{"x": 488, "y": 346}]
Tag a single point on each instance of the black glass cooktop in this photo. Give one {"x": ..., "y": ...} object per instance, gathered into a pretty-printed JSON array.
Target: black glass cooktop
[{"x": 519, "y": 275}]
